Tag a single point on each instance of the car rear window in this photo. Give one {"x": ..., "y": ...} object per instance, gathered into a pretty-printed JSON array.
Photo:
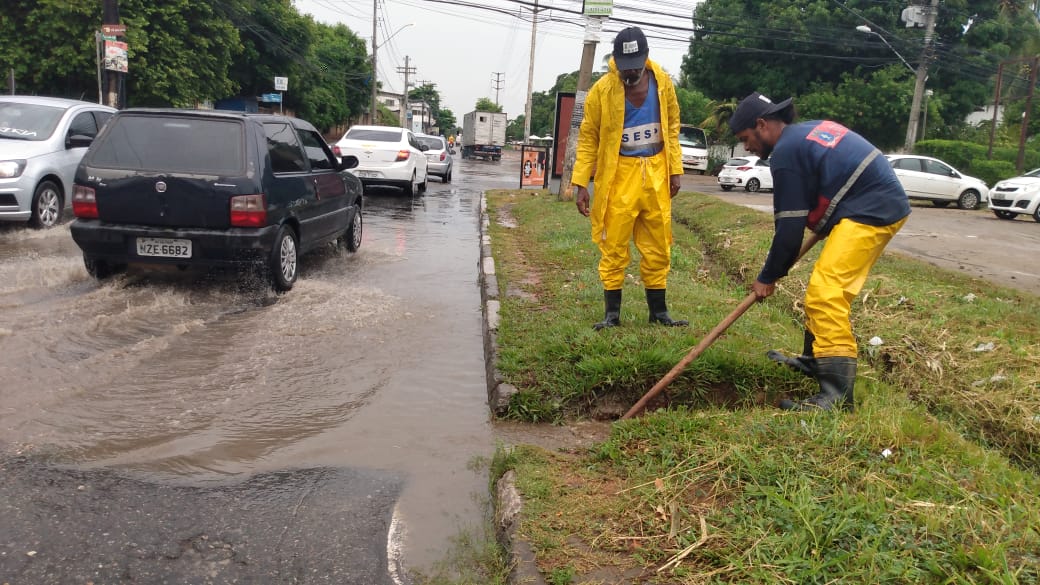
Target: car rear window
[
  {"x": 171, "y": 143},
  {"x": 431, "y": 143},
  {"x": 736, "y": 162},
  {"x": 373, "y": 135},
  {"x": 20, "y": 121}
]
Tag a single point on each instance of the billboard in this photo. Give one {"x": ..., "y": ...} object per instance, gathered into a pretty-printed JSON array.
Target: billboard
[
  {"x": 564, "y": 111},
  {"x": 534, "y": 166},
  {"x": 115, "y": 56}
]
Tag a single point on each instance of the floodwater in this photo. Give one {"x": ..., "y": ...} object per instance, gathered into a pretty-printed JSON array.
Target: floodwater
[{"x": 374, "y": 360}]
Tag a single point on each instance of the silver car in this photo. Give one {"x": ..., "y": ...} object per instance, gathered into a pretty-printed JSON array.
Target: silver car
[
  {"x": 41, "y": 143},
  {"x": 438, "y": 157}
]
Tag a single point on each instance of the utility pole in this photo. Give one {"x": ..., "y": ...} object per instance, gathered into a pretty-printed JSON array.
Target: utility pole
[
  {"x": 110, "y": 15},
  {"x": 406, "y": 105},
  {"x": 372, "y": 106},
  {"x": 426, "y": 83},
  {"x": 498, "y": 84},
  {"x": 1025, "y": 115},
  {"x": 530, "y": 75},
  {"x": 593, "y": 26},
  {"x": 922, "y": 76}
]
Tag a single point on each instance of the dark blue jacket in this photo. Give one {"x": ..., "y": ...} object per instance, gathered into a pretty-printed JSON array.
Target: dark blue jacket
[{"x": 810, "y": 164}]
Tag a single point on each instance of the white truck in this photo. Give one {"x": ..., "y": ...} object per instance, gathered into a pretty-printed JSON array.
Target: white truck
[{"x": 483, "y": 135}]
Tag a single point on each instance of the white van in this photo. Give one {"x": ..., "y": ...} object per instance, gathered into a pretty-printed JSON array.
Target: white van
[{"x": 694, "y": 147}]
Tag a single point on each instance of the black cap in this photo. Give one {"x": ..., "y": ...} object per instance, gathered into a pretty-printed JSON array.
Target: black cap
[
  {"x": 630, "y": 49},
  {"x": 752, "y": 108}
]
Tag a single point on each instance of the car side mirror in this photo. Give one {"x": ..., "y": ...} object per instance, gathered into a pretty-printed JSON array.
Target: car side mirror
[
  {"x": 348, "y": 162},
  {"x": 78, "y": 141}
]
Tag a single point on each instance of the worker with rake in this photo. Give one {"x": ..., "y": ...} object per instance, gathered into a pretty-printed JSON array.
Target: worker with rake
[{"x": 836, "y": 183}]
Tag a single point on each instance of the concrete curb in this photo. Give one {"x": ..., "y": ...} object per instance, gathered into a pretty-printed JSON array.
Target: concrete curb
[{"x": 508, "y": 502}]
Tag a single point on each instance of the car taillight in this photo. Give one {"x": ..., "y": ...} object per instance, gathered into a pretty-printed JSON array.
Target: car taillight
[
  {"x": 84, "y": 202},
  {"x": 444, "y": 155},
  {"x": 336, "y": 151},
  {"x": 403, "y": 155},
  {"x": 249, "y": 210},
  {"x": 744, "y": 168}
]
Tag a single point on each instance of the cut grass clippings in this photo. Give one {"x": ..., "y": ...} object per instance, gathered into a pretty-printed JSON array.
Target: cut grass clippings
[{"x": 932, "y": 480}]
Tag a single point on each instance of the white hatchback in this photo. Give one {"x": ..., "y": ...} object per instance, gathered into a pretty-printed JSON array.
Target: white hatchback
[
  {"x": 750, "y": 172},
  {"x": 386, "y": 156},
  {"x": 1017, "y": 196},
  {"x": 930, "y": 179}
]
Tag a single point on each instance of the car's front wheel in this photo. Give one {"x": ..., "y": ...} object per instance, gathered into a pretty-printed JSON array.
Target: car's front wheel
[
  {"x": 726, "y": 187},
  {"x": 1036, "y": 214},
  {"x": 969, "y": 200},
  {"x": 283, "y": 265},
  {"x": 46, "y": 205},
  {"x": 351, "y": 239},
  {"x": 1004, "y": 214},
  {"x": 752, "y": 185}
]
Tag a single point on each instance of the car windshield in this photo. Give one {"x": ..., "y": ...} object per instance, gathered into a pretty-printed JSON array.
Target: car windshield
[
  {"x": 373, "y": 135},
  {"x": 1032, "y": 173},
  {"x": 432, "y": 143},
  {"x": 171, "y": 143},
  {"x": 693, "y": 137},
  {"x": 20, "y": 121}
]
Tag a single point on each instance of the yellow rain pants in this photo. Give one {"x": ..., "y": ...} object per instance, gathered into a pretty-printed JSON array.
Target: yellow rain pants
[
  {"x": 848, "y": 255},
  {"x": 639, "y": 207}
]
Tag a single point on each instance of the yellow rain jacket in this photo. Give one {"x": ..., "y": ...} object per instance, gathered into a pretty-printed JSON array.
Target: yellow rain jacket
[{"x": 598, "y": 152}]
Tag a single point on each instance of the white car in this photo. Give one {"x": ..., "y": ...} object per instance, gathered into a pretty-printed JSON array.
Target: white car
[
  {"x": 1017, "y": 195},
  {"x": 750, "y": 172},
  {"x": 694, "y": 146},
  {"x": 930, "y": 179},
  {"x": 386, "y": 155},
  {"x": 41, "y": 142}
]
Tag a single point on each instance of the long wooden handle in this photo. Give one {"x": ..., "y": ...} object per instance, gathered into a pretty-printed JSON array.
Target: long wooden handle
[{"x": 707, "y": 341}]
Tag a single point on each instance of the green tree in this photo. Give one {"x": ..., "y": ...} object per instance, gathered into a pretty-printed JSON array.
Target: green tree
[
  {"x": 694, "y": 106},
  {"x": 486, "y": 105},
  {"x": 339, "y": 91},
  {"x": 515, "y": 129},
  {"x": 446, "y": 121}
]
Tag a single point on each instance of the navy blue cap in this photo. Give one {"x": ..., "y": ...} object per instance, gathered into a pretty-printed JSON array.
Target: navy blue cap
[{"x": 752, "y": 108}]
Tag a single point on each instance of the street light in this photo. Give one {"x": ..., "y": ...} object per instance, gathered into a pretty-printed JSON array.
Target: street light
[
  {"x": 375, "y": 47},
  {"x": 866, "y": 30},
  {"x": 921, "y": 74}
]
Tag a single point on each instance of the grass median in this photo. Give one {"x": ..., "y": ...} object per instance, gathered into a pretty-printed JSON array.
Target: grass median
[{"x": 932, "y": 480}]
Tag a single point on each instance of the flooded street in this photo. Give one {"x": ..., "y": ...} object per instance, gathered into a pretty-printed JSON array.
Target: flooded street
[{"x": 373, "y": 362}]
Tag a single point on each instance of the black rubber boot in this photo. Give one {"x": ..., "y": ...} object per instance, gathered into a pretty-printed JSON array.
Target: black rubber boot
[
  {"x": 837, "y": 376},
  {"x": 655, "y": 300},
  {"x": 804, "y": 363},
  {"x": 612, "y": 315}
]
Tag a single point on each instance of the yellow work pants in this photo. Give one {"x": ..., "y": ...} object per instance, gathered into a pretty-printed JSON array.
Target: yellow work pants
[
  {"x": 848, "y": 255},
  {"x": 639, "y": 208}
]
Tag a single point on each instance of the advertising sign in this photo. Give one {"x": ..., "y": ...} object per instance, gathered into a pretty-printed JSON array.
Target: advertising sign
[
  {"x": 115, "y": 56},
  {"x": 534, "y": 162},
  {"x": 281, "y": 84}
]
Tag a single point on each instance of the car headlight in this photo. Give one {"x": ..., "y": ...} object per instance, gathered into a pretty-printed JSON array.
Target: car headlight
[{"x": 10, "y": 169}]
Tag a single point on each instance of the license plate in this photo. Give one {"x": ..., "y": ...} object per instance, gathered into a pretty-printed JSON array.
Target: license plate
[
  {"x": 727, "y": 180},
  {"x": 368, "y": 174},
  {"x": 164, "y": 247}
]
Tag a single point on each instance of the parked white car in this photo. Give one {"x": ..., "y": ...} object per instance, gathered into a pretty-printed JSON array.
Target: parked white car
[
  {"x": 41, "y": 142},
  {"x": 1017, "y": 195},
  {"x": 750, "y": 172},
  {"x": 386, "y": 155},
  {"x": 694, "y": 146},
  {"x": 930, "y": 179}
]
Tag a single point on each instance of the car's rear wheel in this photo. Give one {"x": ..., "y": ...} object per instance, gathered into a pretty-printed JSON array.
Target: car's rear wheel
[
  {"x": 46, "y": 205},
  {"x": 283, "y": 265},
  {"x": 1004, "y": 214},
  {"x": 726, "y": 187},
  {"x": 409, "y": 187},
  {"x": 351, "y": 239},
  {"x": 447, "y": 176},
  {"x": 969, "y": 200},
  {"x": 752, "y": 185},
  {"x": 422, "y": 186},
  {"x": 941, "y": 203},
  {"x": 102, "y": 269}
]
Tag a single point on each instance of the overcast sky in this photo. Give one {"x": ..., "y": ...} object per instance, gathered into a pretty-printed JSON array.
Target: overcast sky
[{"x": 460, "y": 45}]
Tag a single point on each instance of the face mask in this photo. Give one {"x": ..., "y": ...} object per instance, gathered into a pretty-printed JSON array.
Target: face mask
[{"x": 631, "y": 78}]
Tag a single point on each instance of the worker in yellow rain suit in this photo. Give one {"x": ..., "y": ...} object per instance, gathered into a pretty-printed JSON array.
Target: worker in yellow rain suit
[{"x": 630, "y": 138}]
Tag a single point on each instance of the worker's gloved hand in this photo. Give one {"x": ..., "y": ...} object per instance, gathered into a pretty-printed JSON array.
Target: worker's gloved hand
[{"x": 581, "y": 199}]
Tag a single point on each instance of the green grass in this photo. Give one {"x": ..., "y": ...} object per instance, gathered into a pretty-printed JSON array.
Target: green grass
[{"x": 932, "y": 480}]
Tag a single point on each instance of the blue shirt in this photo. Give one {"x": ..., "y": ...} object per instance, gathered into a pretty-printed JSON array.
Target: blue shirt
[
  {"x": 810, "y": 163},
  {"x": 642, "y": 135}
]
